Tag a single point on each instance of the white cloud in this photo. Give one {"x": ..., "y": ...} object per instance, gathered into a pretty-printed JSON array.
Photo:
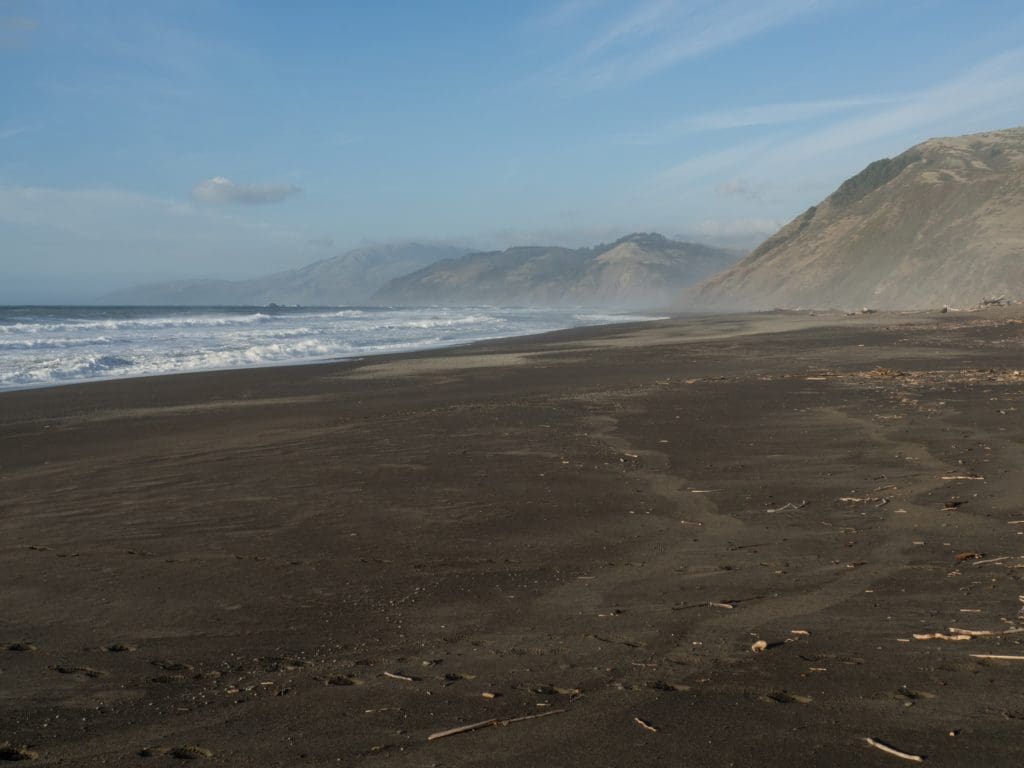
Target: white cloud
[{"x": 221, "y": 190}]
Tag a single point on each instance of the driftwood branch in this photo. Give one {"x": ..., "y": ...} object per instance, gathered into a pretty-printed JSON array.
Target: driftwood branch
[
  {"x": 494, "y": 721},
  {"x": 997, "y": 656},
  {"x": 893, "y": 751}
]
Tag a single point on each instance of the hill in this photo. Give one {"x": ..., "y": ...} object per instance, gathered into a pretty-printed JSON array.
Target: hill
[{"x": 942, "y": 223}]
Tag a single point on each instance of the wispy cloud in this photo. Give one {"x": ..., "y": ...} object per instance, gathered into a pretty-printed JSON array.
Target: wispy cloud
[
  {"x": 220, "y": 190},
  {"x": 982, "y": 97},
  {"x": 777, "y": 114},
  {"x": 661, "y": 33},
  {"x": 992, "y": 89},
  {"x": 757, "y": 116}
]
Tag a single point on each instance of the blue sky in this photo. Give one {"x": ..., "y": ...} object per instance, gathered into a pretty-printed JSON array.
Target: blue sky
[{"x": 153, "y": 140}]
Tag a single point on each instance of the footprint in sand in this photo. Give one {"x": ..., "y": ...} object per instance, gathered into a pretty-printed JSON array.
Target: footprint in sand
[
  {"x": 188, "y": 752},
  {"x": 784, "y": 697},
  {"x": 119, "y": 648},
  {"x": 168, "y": 679},
  {"x": 661, "y": 685},
  {"x": 65, "y": 669},
  {"x": 21, "y": 647},
  {"x": 343, "y": 680}
]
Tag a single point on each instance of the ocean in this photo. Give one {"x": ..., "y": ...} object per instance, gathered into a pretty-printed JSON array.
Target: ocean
[{"x": 46, "y": 346}]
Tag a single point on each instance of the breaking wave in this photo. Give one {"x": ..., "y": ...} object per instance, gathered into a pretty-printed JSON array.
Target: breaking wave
[{"x": 56, "y": 345}]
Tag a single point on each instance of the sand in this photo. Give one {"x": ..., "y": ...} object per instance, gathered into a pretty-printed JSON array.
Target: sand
[{"x": 325, "y": 565}]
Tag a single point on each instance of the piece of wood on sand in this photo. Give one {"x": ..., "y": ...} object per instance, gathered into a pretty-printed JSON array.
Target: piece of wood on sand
[
  {"x": 997, "y": 656},
  {"x": 893, "y": 751},
  {"x": 645, "y": 725},
  {"x": 494, "y": 721}
]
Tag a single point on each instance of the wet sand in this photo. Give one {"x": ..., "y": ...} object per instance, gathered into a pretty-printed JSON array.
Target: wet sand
[{"x": 324, "y": 565}]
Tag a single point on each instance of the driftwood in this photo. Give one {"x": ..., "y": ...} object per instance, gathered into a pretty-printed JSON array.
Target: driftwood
[
  {"x": 494, "y": 721},
  {"x": 940, "y": 636},
  {"x": 645, "y": 725},
  {"x": 893, "y": 751},
  {"x": 996, "y": 656},
  {"x": 396, "y": 676}
]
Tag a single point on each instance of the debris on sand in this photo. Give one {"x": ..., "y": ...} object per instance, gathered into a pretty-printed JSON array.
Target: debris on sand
[
  {"x": 940, "y": 636},
  {"x": 645, "y": 725},
  {"x": 399, "y": 676},
  {"x": 11, "y": 753},
  {"x": 997, "y": 657},
  {"x": 893, "y": 751},
  {"x": 760, "y": 646},
  {"x": 494, "y": 721},
  {"x": 965, "y": 556},
  {"x": 789, "y": 505}
]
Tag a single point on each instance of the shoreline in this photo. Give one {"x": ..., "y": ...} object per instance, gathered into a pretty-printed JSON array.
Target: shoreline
[
  {"x": 328, "y": 359},
  {"x": 309, "y": 564}
]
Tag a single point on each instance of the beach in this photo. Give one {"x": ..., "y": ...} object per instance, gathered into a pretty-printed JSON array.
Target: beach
[{"x": 714, "y": 541}]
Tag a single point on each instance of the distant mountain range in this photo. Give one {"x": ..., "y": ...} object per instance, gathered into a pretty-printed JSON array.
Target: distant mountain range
[
  {"x": 637, "y": 271},
  {"x": 348, "y": 279},
  {"x": 942, "y": 223}
]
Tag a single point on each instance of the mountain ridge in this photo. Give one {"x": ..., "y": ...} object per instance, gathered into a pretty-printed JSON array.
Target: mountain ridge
[
  {"x": 637, "y": 271},
  {"x": 347, "y": 279}
]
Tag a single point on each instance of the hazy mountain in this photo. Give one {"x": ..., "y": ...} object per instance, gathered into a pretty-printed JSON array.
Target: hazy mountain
[
  {"x": 350, "y": 278},
  {"x": 943, "y": 223},
  {"x": 641, "y": 270}
]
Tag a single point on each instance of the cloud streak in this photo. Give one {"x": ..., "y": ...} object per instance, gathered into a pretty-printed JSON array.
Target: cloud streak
[
  {"x": 989, "y": 92},
  {"x": 219, "y": 191},
  {"x": 662, "y": 33}
]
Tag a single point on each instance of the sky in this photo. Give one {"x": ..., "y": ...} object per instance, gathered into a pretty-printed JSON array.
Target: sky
[{"x": 162, "y": 140}]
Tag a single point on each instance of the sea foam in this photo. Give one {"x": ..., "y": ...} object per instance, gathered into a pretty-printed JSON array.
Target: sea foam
[{"x": 42, "y": 346}]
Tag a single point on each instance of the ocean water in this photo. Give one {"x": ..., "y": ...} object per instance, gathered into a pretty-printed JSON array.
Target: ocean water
[{"x": 45, "y": 346}]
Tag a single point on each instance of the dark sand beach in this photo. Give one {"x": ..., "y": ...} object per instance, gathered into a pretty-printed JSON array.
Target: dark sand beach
[{"x": 324, "y": 565}]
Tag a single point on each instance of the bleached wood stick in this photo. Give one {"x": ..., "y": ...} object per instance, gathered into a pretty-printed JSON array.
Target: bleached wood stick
[
  {"x": 494, "y": 721},
  {"x": 1000, "y": 657},
  {"x": 645, "y": 725},
  {"x": 893, "y": 751},
  {"x": 462, "y": 729}
]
